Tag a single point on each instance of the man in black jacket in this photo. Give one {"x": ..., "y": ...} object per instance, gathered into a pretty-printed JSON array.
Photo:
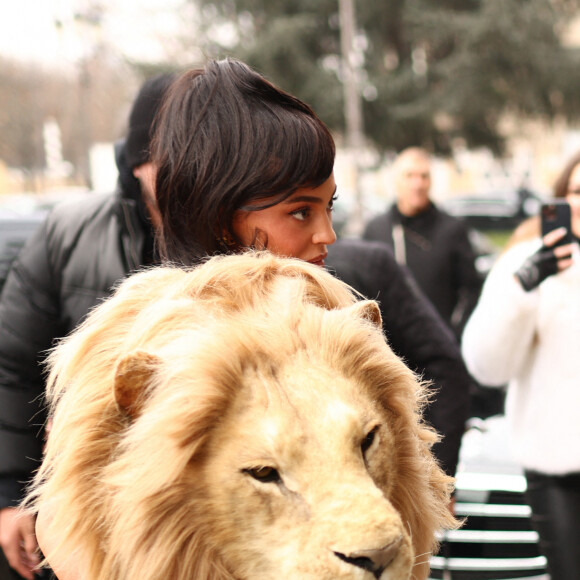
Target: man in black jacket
[
  {"x": 432, "y": 244},
  {"x": 79, "y": 254},
  {"x": 67, "y": 267}
]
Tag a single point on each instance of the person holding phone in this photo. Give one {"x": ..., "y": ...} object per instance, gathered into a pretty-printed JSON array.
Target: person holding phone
[{"x": 525, "y": 331}]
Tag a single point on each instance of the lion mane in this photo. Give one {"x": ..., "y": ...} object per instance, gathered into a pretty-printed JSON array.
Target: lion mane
[{"x": 244, "y": 419}]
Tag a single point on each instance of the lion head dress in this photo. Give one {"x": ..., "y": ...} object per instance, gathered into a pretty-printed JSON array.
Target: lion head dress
[{"x": 243, "y": 420}]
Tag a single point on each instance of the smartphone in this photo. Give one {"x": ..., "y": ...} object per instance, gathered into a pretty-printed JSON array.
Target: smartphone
[{"x": 556, "y": 214}]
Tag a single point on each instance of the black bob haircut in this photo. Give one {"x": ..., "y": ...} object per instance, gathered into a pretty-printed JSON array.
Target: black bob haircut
[{"x": 227, "y": 139}]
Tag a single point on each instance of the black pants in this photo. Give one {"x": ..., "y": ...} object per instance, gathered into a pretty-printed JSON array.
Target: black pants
[{"x": 555, "y": 503}]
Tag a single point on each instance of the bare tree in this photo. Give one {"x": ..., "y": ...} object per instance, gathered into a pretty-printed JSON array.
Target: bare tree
[{"x": 94, "y": 99}]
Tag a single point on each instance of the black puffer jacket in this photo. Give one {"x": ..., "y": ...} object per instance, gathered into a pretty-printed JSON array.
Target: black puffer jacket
[
  {"x": 415, "y": 332},
  {"x": 67, "y": 267}
]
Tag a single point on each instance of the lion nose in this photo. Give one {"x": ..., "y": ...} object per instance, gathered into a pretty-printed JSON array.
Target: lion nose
[{"x": 375, "y": 561}]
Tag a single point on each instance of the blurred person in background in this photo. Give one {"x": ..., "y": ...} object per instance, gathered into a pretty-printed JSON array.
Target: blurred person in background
[
  {"x": 432, "y": 244},
  {"x": 435, "y": 247},
  {"x": 68, "y": 266},
  {"x": 525, "y": 332}
]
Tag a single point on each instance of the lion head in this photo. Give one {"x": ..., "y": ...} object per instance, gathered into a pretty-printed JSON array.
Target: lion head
[{"x": 244, "y": 419}]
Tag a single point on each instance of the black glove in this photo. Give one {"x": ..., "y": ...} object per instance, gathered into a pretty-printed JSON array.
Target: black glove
[{"x": 537, "y": 268}]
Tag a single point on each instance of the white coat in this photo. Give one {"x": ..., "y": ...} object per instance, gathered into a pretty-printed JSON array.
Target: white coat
[{"x": 531, "y": 340}]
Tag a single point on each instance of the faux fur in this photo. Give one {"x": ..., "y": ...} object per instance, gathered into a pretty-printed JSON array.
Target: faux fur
[{"x": 242, "y": 420}]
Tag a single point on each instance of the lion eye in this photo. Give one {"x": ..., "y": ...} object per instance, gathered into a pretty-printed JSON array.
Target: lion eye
[
  {"x": 264, "y": 474},
  {"x": 368, "y": 440}
]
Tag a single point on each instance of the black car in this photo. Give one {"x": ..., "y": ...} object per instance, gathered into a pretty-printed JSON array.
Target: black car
[{"x": 494, "y": 210}]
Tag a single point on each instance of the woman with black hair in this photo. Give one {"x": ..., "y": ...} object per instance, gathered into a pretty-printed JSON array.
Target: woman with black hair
[{"x": 240, "y": 163}]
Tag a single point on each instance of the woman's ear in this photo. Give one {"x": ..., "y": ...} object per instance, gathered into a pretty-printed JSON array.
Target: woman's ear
[
  {"x": 132, "y": 376},
  {"x": 146, "y": 174}
]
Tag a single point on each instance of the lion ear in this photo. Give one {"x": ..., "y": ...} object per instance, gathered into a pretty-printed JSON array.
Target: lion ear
[
  {"x": 368, "y": 310},
  {"x": 132, "y": 374}
]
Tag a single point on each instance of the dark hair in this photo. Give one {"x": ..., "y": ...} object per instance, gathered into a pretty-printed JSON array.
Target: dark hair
[
  {"x": 225, "y": 139},
  {"x": 561, "y": 185}
]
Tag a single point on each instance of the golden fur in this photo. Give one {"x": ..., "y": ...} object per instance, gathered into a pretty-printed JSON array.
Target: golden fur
[{"x": 241, "y": 420}]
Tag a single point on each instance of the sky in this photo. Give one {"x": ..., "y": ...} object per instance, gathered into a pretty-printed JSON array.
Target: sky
[{"x": 29, "y": 30}]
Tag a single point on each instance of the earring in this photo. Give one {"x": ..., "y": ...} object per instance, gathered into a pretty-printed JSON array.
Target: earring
[{"x": 226, "y": 240}]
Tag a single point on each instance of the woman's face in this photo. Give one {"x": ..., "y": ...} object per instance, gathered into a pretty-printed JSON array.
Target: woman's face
[
  {"x": 573, "y": 198},
  {"x": 298, "y": 227}
]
